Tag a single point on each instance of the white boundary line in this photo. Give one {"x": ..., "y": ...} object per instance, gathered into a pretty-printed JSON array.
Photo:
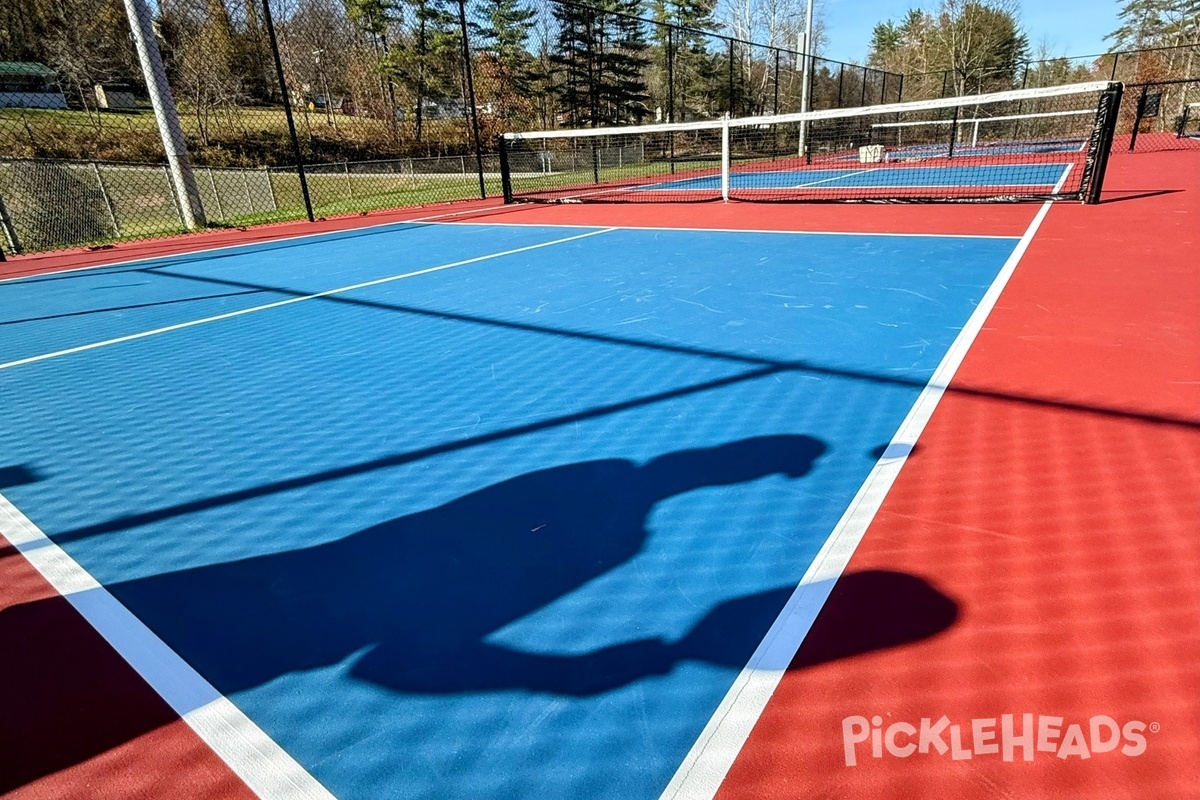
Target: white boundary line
[
  {"x": 247, "y": 245},
  {"x": 252, "y": 755},
  {"x": 731, "y": 230},
  {"x": 845, "y": 174},
  {"x": 1062, "y": 179},
  {"x": 289, "y": 301},
  {"x": 708, "y": 762}
]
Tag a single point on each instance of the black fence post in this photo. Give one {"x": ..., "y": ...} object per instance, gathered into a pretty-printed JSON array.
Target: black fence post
[
  {"x": 466, "y": 47},
  {"x": 953, "y": 133},
  {"x": 862, "y": 101},
  {"x": 670, "y": 74},
  {"x": 841, "y": 83},
  {"x": 287, "y": 109},
  {"x": 776, "y": 106},
  {"x": 1116, "y": 58},
  {"x": 1137, "y": 119},
  {"x": 900, "y": 90},
  {"x": 730, "y": 109}
]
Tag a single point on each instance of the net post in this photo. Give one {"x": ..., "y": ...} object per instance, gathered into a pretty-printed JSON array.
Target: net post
[
  {"x": 1101, "y": 143},
  {"x": 505, "y": 172},
  {"x": 725, "y": 159}
]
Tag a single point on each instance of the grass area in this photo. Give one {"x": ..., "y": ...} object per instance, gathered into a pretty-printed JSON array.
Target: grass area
[
  {"x": 427, "y": 194},
  {"x": 229, "y": 136},
  {"x": 141, "y": 209}
]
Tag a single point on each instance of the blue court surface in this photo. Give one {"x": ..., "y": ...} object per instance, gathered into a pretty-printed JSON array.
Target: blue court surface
[
  {"x": 509, "y": 528},
  {"x": 949, "y": 174}
]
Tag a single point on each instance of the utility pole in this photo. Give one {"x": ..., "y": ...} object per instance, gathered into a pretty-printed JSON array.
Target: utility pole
[{"x": 142, "y": 25}]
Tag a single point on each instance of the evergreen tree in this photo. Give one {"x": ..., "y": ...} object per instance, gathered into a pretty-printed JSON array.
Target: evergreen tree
[
  {"x": 692, "y": 68},
  {"x": 508, "y": 71},
  {"x": 427, "y": 64},
  {"x": 602, "y": 57}
]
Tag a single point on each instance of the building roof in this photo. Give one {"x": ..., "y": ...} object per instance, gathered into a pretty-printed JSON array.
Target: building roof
[{"x": 31, "y": 68}]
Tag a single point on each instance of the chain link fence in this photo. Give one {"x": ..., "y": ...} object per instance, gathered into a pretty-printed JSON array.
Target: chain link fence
[
  {"x": 1129, "y": 67},
  {"x": 314, "y": 108}
]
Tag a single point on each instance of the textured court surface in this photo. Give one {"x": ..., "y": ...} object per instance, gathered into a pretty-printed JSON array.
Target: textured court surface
[
  {"x": 266, "y": 490},
  {"x": 469, "y": 523}
]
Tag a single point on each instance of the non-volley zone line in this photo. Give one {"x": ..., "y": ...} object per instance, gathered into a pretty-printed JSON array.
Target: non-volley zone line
[{"x": 293, "y": 300}]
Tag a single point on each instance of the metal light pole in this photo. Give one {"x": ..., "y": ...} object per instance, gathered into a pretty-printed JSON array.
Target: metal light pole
[
  {"x": 142, "y": 25},
  {"x": 806, "y": 78}
]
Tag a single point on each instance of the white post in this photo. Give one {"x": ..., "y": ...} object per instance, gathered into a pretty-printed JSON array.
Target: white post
[
  {"x": 725, "y": 158},
  {"x": 803, "y": 47},
  {"x": 187, "y": 193}
]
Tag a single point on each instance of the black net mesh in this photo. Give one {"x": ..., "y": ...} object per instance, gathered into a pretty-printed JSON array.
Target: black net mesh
[{"x": 1015, "y": 145}]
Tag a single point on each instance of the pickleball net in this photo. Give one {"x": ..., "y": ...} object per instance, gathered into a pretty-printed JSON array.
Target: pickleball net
[{"x": 1047, "y": 143}]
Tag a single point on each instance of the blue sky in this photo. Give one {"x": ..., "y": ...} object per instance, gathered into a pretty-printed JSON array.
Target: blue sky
[{"x": 1069, "y": 27}]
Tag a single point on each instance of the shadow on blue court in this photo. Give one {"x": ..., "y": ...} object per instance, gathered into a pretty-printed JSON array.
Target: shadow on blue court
[{"x": 508, "y": 529}]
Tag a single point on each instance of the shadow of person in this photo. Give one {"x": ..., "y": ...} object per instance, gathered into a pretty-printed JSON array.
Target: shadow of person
[{"x": 420, "y": 594}]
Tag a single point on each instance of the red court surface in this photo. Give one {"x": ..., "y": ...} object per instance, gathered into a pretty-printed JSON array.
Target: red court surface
[{"x": 1052, "y": 498}]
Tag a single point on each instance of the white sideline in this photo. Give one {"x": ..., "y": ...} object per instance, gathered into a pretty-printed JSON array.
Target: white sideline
[
  {"x": 201, "y": 250},
  {"x": 685, "y": 229},
  {"x": 711, "y": 757},
  {"x": 253, "y": 756},
  {"x": 289, "y": 301}
]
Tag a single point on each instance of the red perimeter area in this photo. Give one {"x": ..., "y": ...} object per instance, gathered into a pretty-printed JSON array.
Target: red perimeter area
[
  {"x": 967, "y": 219},
  {"x": 1049, "y": 499},
  {"x": 1055, "y": 497},
  {"x": 75, "y": 720}
]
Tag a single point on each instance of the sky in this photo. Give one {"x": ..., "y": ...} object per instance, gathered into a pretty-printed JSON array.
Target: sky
[{"x": 1069, "y": 27}]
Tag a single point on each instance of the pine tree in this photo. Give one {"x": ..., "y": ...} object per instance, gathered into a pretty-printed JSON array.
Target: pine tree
[
  {"x": 601, "y": 56},
  {"x": 508, "y": 69},
  {"x": 692, "y": 67},
  {"x": 425, "y": 62}
]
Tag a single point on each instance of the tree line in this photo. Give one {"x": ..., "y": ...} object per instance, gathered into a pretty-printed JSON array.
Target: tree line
[{"x": 972, "y": 46}]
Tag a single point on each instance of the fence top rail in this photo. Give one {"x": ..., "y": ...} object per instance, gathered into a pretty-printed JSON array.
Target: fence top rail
[
  {"x": 808, "y": 116},
  {"x": 1170, "y": 82}
]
